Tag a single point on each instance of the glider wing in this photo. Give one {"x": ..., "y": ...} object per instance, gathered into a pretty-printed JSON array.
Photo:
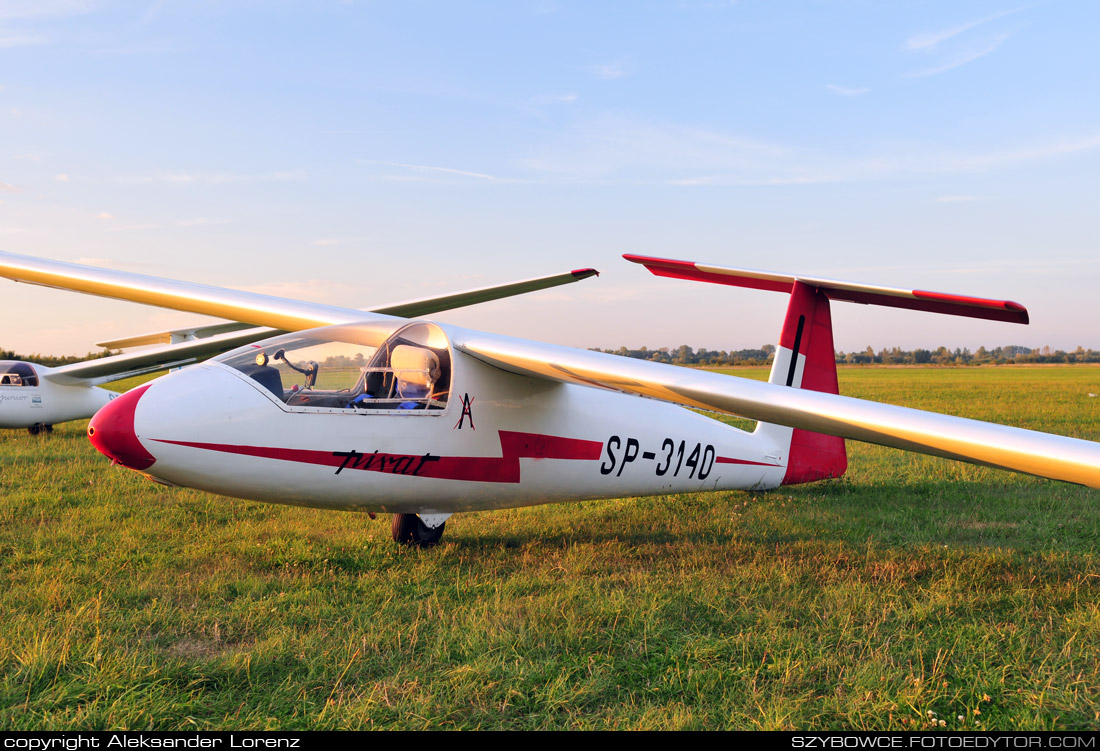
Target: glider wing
[
  {"x": 1042, "y": 454},
  {"x": 260, "y": 316}
]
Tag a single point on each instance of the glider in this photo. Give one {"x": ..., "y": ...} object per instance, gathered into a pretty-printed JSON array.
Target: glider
[
  {"x": 424, "y": 420},
  {"x": 37, "y": 397}
]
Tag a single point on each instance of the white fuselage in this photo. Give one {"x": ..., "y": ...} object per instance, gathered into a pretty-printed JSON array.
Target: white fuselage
[{"x": 503, "y": 440}]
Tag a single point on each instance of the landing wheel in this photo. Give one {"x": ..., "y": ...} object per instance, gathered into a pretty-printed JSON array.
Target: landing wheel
[
  {"x": 409, "y": 530},
  {"x": 39, "y": 427}
]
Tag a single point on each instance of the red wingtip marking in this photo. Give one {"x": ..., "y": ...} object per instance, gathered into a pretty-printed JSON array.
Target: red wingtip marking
[
  {"x": 584, "y": 273},
  {"x": 977, "y": 307},
  {"x": 652, "y": 263}
]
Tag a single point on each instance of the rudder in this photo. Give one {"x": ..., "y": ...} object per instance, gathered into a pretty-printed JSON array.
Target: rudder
[{"x": 805, "y": 359}]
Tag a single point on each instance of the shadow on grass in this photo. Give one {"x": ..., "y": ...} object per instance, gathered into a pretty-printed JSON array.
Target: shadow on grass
[{"x": 1026, "y": 517}]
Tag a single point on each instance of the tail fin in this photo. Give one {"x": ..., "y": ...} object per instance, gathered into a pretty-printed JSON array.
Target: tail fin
[{"x": 805, "y": 358}]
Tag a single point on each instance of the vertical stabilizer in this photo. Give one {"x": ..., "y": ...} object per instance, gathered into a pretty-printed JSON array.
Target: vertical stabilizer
[{"x": 805, "y": 359}]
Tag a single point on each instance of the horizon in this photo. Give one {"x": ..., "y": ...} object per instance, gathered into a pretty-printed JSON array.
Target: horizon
[
  {"x": 989, "y": 353},
  {"x": 362, "y": 153}
]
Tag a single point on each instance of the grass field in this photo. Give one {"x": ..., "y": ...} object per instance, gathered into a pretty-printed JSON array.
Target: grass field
[{"x": 913, "y": 592}]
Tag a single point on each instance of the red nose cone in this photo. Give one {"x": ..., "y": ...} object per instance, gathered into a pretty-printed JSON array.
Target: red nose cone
[{"x": 111, "y": 431}]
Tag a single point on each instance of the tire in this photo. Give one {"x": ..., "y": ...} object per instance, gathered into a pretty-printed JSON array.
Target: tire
[
  {"x": 409, "y": 530},
  {"x": 36, "y": 428}
]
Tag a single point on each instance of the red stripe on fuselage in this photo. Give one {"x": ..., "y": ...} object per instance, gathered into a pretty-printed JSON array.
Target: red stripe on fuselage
[
  {"x": 514, "y": 446},
  {"x": 731, "y": 460}
]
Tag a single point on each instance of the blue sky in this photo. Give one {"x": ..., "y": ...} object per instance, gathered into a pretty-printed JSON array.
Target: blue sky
[{"x": 368, "y": 152}]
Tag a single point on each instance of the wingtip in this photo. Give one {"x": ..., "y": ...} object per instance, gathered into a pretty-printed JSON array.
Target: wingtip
[
  {"x": 584, "y": 273},
  {"x": 655, "y": 260}
]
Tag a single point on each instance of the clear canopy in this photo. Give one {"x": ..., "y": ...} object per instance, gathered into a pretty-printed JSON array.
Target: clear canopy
[
  {"x": 16, "y": 373},
  {"x": 353, "y": 366}
]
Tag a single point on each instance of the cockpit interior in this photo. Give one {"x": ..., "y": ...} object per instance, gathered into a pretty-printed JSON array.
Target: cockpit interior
[
  {"x": 15, "y": 373},
  {"x": 338, "y": 368}
]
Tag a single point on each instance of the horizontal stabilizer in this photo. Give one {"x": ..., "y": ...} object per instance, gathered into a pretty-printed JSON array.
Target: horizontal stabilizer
[{"x": 912, "y": 299}]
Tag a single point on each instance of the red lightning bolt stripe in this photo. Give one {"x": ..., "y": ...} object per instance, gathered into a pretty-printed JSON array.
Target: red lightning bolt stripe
[{"x": 505, "y": 468}]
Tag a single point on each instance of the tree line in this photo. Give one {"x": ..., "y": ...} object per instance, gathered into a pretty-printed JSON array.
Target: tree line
[
  {"x": 1011, "y": 354},
  {"x": 685, "y": 355},
  {"x": 52, "y": 361}
]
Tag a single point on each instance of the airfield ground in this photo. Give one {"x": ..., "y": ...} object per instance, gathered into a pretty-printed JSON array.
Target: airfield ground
[{"x": 914, "y": 592}]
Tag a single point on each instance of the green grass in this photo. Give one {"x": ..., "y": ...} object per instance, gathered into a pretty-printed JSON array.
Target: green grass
[{"x": 913, "y": 585}]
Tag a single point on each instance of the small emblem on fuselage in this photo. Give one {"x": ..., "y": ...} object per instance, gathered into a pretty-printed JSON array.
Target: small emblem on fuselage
[{"x": 467, "y": 404}]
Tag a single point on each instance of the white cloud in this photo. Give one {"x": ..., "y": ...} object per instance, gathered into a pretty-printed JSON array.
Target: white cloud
[
  {"x": 103, "y": 215},
  {"x": 423, "y": 168},
  {"x": 963, "y": 57},
  {"x": 619, "y": 150},
  {"x": 1008, "y": 157},
  {"x": 956, "y": 46},
  {"x": 21, "y": 40},
  {"x": 181, "y": 224},
  {"x": 134, "y": 227},
  {"x": 326, "y": 242},
  {"x": 932, "y": 39},
  {"x": 616, "y": 148},
  {"x": 545, "y": 99},
  {"x": 845, "y": 91},
  {"x": 610, "y": 71},
  {"x": 120, "y": 265},
  {"x": 11, "y": 10},
  {"x": 218, "y": 178},
  {"x": 32, "y": 11},
  {"x": 201, "y": 221},
  {"x": 62, "y": 178},
  {"x": 9, "y": 188},
  {"x": 958, "y": 199}
]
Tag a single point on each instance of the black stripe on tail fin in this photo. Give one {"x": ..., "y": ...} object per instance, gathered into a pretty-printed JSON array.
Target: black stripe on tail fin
[{"x": 805, "y": 359}]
